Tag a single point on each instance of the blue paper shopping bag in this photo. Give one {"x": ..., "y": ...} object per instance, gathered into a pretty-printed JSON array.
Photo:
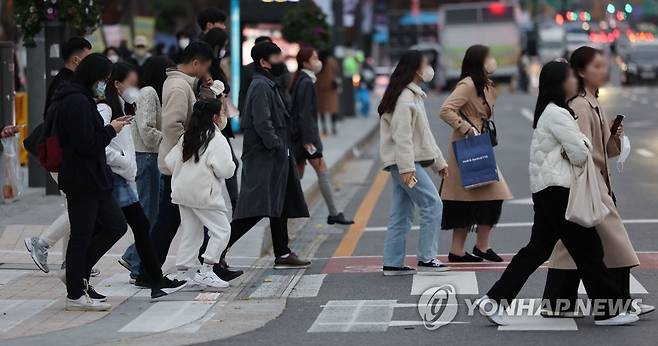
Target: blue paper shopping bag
[{"x": 476, "y": 161}]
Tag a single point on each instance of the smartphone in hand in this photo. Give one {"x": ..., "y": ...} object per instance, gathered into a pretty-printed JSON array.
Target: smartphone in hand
[
  {"x": 616, "y": 123},
  {"x": 412, "y": 182}
]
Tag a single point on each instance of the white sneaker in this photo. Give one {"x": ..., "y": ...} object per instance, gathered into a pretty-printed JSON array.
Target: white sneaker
[
  {"x": 494, "y": 314},
  {"x": 209, "y": 278},
  {"x": 619, "y": 320},
  {"x": 84, "y": 303},
  {"x": 645, "y": 309}
]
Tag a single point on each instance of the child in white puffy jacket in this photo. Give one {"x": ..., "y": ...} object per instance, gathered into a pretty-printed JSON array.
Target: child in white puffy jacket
[{"x": 200, "y": 162}]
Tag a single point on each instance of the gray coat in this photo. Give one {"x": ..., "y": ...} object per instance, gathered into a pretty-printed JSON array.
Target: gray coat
[{"x": 270, "y": 184}]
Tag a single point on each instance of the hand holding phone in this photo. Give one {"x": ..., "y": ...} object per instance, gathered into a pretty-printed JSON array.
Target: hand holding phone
[{"x": 616, "y": 124}]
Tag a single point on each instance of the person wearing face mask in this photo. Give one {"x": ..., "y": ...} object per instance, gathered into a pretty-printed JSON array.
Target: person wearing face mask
[
  {"x": 591, "y": 70},
  {"x": 182, "y": 41},
  {"x": 140, "y": 52},
  {"x": 407, "y": 147},
  {"x": 120, "y": 96},
  {"x": 184, "y": 85},
  {"x": 96, "y": 220},
  {"x": 467, "y": 111},
  {"x": 306, "y": 142},
  {"x": 113, "y": 54},
  {"x": 278, "y": 194},
  {"x": 202, "y": 156},
  {"x": 73, "y": 52}
]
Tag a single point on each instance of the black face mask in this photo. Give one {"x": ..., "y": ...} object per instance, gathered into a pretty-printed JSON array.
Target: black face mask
[{"x": 278, "y": 69}]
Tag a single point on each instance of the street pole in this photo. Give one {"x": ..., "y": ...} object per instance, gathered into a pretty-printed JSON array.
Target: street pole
[
  {"x": 236, "y": 50},
  {"x": 7, "y": 94},
  {"x": 36, "y": 88}
]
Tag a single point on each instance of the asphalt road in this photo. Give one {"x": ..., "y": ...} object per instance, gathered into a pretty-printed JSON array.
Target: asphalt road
[{"x": 356, "y": 305}]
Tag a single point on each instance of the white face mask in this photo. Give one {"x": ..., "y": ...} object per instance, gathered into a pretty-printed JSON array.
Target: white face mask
[
  {"x": 428, "y": 74},
  {"x": 183, "y": 42},
  {"x": 222, "y": 53},
  {"x": 113, "y": 58},
  {"x": 130, "y": 95},
  {"x": 625, "y": 152},
  {"x": 490, "y": 65},
  {"x": 317, "y": 66}
]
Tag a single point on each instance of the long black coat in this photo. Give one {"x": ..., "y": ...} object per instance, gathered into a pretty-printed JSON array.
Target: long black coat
[
  {"x": 305, "y": 115},
  {"x": 270, "y": 184}
]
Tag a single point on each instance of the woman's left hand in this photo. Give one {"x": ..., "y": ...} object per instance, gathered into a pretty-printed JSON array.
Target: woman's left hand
[
  {"x": 620, "y": 130},
  {"x": 444, "y": 172}
]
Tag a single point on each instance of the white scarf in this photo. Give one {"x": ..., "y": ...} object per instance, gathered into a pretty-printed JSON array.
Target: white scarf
[{"x": 310, "y": 73}]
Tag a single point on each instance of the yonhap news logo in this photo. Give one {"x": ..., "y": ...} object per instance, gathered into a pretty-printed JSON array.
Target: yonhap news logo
[{"x": 438, "y": 306}]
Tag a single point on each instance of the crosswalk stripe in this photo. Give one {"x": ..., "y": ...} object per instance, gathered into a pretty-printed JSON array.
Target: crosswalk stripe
[
  {"x": 118, "y": 285},
  {"x": 354, "y": 316},
  {"x": 465, "y": 282},
  {"x": 308, "y": 286},
  {"x": 635, "y": 287},
  {"x": 163, "y": 316},
  {"x": 15, "y": 311},
  {"x": 7, "y": 275}
]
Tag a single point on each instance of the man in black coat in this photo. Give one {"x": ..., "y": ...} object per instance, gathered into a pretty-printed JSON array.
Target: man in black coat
[
  {"x": 270, "y": 184},
  {"x": 73, "y": 51}
]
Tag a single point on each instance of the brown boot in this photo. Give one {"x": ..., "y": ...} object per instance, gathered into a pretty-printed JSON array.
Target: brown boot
[{"x": 290, "y": 262}]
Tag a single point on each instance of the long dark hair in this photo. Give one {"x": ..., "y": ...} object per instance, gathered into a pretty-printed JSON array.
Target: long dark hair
[
  {"x": 154, "y": 73},
  {"x": 580, "y": 58},
  {"x": 200, "y": 129},
  {"x": 551, "y": 88},
  {"x": 404, "y": 73},
  {"x": 473, "y": 66},
  {"x": 120, "y": 72},
  {"x": 304, "y": 54}
]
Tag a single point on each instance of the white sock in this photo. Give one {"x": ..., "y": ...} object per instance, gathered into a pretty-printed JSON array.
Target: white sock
[{"x": 286, "y": 255}]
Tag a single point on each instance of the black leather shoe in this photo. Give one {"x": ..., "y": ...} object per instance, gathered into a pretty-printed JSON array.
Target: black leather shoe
[
  {"x": 224, "y": 272},
  {"x": 467, "y": 257},
  {"x": 339, "y": 219},
  {"x": 490, "y": 255}
]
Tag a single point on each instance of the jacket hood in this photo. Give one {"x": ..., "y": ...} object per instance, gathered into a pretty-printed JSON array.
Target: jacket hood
[
  {"x": 69, "y": 88},
  {"x": 176, "y": 73}
]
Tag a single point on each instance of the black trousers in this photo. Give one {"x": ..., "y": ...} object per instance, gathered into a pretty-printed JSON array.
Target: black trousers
[
  {"x": 140, "y": 226},
  {"x": 97, "y": 223},
  {"x": 583, "y": 244},
  {"x": 563, "y": 284},
  {"x": 166, "y": 226},
  {"x": 278, "y": 228}
]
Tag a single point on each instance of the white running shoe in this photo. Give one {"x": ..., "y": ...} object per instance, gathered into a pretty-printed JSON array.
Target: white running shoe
[
  {"x": 645, "y": 309},
  {"x": 619, "y": 320},
  {"x": 85, "y": 303},
  {"x": 494, "y": 314},
  {"x": 209, "y": 278},
  {"x": 38, "y": 251}
]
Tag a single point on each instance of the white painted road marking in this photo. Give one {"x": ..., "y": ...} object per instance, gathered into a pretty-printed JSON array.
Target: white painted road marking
[
  {"x": 522, "y": 201},
  {"x": 15, "y": 311},
  {"x": 516, "y": 224},
  {"x": 118, "y": 285},
  {"x": 308, "y": 286},
  {"x": 163, "y": 316},
  {"x": 635, "y": 288},
  {"x": 7, "y": 275},
  {"x": 532, "y": 322},
  {"x": 354, "y": 316},
  {"x": 645, "y": 153},
  {"x": 465, "y": 282}
]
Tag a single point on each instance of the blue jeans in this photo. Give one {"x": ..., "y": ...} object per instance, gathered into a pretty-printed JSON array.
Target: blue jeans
[
  {"x": 148, "y": 189},
  {"x": 401, "y": 217}
]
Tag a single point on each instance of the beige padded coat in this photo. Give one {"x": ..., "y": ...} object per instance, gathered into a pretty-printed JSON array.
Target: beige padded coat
[
  {"x": 464, "y": 100},
  {"x": 617, "y": 248}
]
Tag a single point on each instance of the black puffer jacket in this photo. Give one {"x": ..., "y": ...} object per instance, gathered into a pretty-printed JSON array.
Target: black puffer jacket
[{"x": 83, "y": 139}]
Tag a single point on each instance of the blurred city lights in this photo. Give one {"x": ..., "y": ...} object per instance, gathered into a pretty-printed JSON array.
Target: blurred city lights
[
  {"x": 559, "y": 19},
  {"x": 611, "y": 8},
  {"x": 628, "y": 8},
  {"x": 497, "y": 8},
  {"x": 621, "y": 16}
]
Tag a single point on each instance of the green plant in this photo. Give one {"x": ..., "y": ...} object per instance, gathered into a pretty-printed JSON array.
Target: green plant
[
  {"x": 80, "y": 15},
  {"x": 307, "y": 25}
]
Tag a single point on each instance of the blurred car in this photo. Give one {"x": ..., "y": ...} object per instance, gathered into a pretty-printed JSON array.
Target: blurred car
[{"x": 640, "y": 64}]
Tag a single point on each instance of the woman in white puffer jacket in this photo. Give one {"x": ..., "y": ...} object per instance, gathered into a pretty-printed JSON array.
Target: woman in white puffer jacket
[{"x": 557, "y": 145}]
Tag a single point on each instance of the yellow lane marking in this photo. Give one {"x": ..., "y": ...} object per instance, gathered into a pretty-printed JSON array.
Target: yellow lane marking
[{"x": 351, "y": 238}]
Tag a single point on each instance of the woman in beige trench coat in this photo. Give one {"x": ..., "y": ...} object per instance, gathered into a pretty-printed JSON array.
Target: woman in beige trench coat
[
  {"x": 562, "y": 281},
  {"x": 466, "y": 110},
  {"x": 326, "y": 88}
]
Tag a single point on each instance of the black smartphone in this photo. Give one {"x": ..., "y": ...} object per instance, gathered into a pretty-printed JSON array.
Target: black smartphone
[{"x": 616, "y": 123}]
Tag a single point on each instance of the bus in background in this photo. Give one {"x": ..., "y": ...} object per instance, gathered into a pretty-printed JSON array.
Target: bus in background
[{"x": 494, "y": 24}]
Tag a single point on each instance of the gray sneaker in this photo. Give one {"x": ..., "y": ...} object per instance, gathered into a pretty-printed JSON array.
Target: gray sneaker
[{"x": 39, "y": 252}]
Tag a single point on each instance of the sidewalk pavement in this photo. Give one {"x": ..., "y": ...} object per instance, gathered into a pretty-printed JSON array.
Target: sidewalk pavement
[{"x": 32, "y": 302}]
